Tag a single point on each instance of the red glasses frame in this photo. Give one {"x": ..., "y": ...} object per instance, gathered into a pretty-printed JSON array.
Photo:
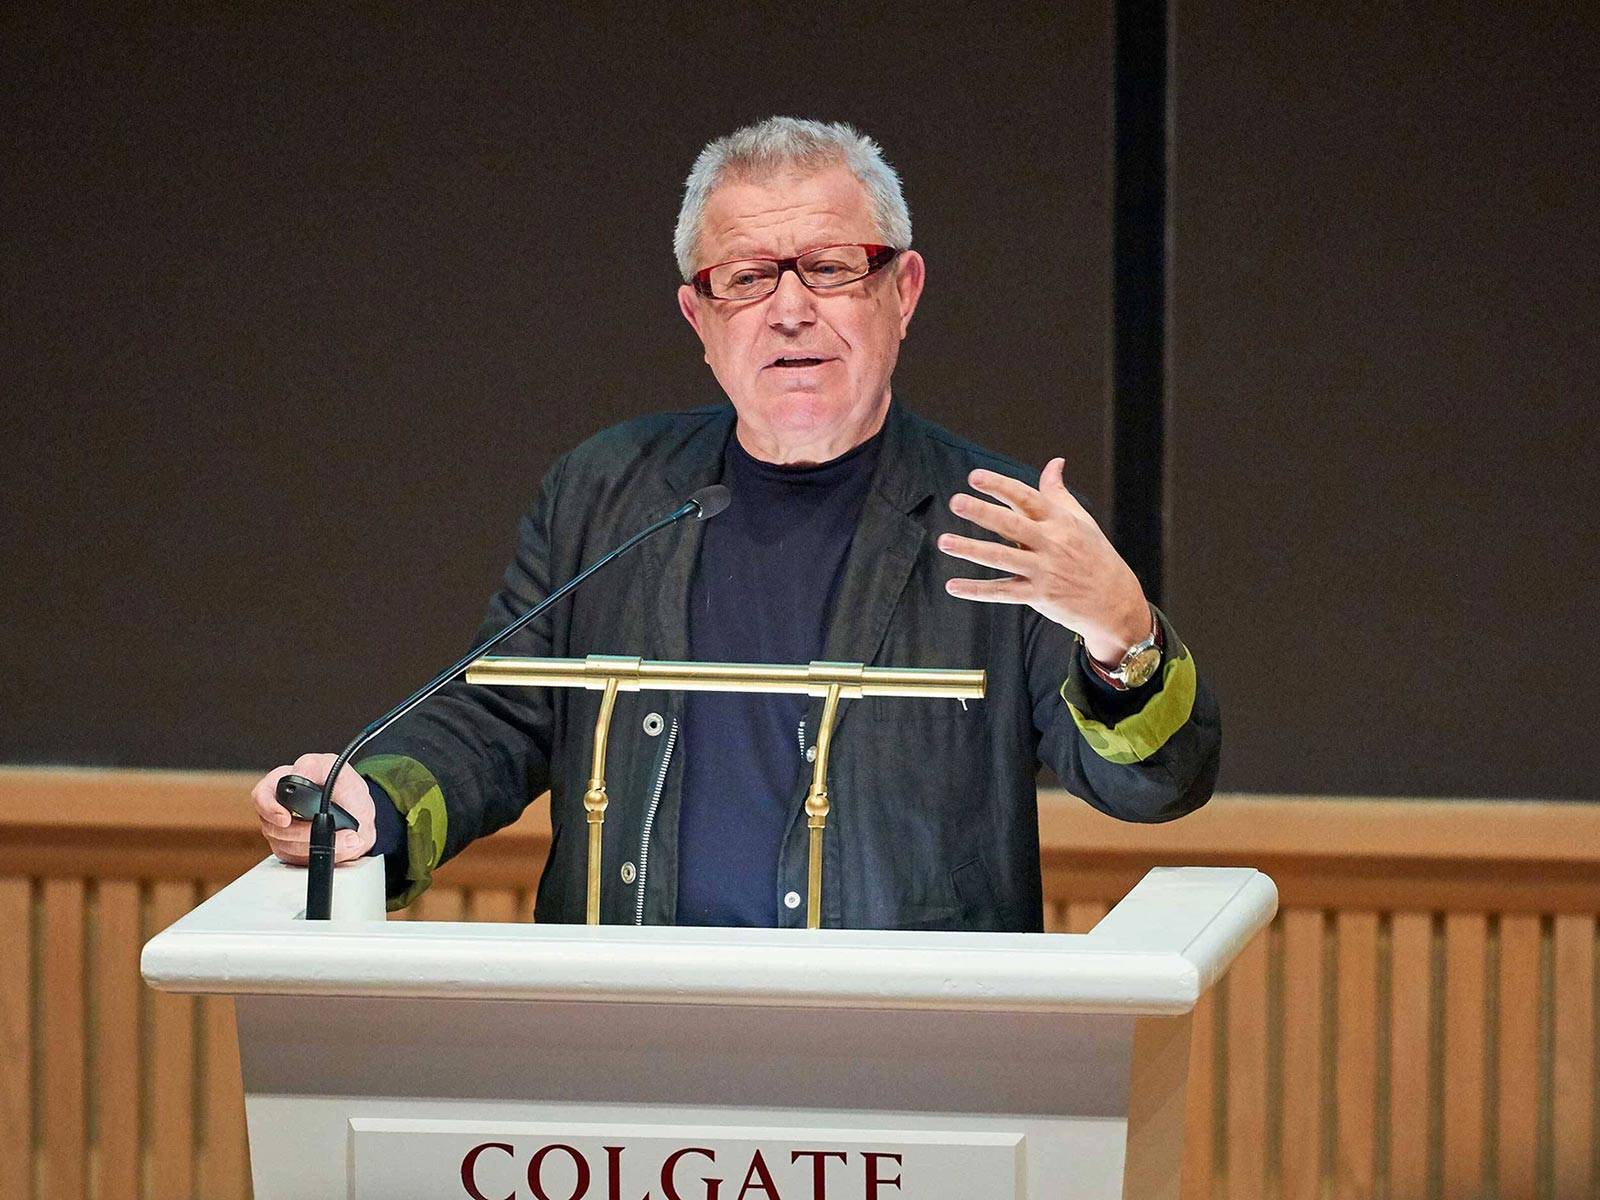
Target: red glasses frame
[{"x": 877, "y": 258}]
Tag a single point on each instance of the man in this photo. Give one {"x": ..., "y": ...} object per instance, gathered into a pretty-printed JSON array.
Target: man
[{"x": 850, "y": 525}]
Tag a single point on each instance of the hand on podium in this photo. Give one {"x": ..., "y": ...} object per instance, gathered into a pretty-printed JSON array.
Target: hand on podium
[{"x": 289, "y": 839}]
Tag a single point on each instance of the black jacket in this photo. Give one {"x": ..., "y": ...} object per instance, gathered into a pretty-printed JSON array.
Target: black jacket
[{"x": 934, "y": 809}]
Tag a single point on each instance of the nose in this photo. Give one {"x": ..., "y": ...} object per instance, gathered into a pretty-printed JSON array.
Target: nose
[{"x": 792, "y": 305}]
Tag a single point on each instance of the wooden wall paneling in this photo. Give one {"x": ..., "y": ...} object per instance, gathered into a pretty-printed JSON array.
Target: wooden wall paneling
[
  {"x": 1303, "y": 1019},
  {"x": 1084, "y": 915},
  {"x": 1517, "y": 1092},
  {"x": 440, "y": 903},
  {"x": 1055, "y": 917},
  {"x": 1355, "y": 1056},
  {"x": 1246, "y": 1067},
  {"x": 116, "y": 1034},
  {"x": 1573, "y": 1065},
  {"x": 1410, "y": 1053},
  {"x": 1466, "y": 943},
  {"x": 1257, "y": 1125},
  {"x": 494, "y": 904},
  {"x": 16, "y": 1038},
  {"x": 62, "y": 1050},
  {"x": 1200, "y": 1119},
  {"x": 224, "y": 1172},
  {"x": 171, "y": 1174}
]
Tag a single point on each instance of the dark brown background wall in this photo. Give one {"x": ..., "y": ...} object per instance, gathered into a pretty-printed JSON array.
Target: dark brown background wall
[
  {"x": 1384, "y": 505},
  {"x": 296, "y": 309},
  {"x": 299, "y": 308}
]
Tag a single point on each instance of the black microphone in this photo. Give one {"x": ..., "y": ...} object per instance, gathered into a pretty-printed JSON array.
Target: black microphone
[{"x": 702, "y": 505}]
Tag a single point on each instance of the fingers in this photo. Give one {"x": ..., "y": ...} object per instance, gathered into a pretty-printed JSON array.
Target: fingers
[
  {"x": 993, "y": 517},
  {"x": 1053, "y": 485},
  {"x": 296, "y": 852},
  {"x": 1053, "y": 477},
  {"x": 987, "y": 554},
  {"x": 264, "y": 797},
  {"x": 990, "y": 591},
  {"x": 1017, "y": 495},
  {"x": 296, "y": 849},
  {"x": 314, "y": 766}
]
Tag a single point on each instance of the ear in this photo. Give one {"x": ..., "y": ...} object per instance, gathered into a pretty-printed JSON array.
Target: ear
[
  {"x": 910, "y": 274},
  {"x": 689, "y": 306}
]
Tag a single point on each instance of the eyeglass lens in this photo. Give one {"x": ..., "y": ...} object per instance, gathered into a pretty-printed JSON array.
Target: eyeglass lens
[{"x": 830, "y": 266}]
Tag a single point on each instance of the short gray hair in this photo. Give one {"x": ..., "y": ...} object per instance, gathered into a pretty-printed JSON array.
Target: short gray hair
[{"x": 769, "y": 146}]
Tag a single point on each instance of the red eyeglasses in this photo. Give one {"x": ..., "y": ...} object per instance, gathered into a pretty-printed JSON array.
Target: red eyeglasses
[{"x": 819, "y": 269}]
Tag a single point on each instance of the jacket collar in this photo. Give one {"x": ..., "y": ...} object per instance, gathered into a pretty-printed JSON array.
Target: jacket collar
[
  {"x": 885, "y": 547},
  {"x": 903, "y": 479}
]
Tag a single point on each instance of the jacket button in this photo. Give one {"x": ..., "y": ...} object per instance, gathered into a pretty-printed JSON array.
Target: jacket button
[
  {"x": 628, "y": 873},
  {"x": 653, "y": 724},
  {"x": 791, "y": 900},
  {"x": 811, "y": 754}
]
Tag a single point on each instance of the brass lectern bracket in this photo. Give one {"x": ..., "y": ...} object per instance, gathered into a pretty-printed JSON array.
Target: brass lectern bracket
[{"x": 832, "y": 681}]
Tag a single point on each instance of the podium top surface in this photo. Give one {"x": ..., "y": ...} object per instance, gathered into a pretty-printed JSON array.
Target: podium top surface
[{"x": 1168, "y": 940}]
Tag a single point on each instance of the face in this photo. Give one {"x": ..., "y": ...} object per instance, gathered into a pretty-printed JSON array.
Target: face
[{"x": 808, "y": 372}]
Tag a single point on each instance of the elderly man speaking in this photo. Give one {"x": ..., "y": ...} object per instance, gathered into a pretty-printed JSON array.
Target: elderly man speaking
[{"x": 849, "y": 538}]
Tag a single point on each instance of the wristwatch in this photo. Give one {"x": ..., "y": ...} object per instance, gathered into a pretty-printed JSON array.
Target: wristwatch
[{"x": 1137, "y": 665}]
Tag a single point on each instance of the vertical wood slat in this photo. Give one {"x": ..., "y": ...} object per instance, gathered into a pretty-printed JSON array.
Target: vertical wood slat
[
  {"x": 61, "y": 1050},
  {"x": 224, "y": 1161},
  {"x": 16, "y": 1038},
  {"x": 1355, "y": 1057},
  {"x": 1466, "y": 940},
  {"x": 1517, "y": 1093},
  {"x": 1411, "y": 999},
  {"x": 172, "y": 1064},
  {"x": 494, "y": 904},
  {"x": 116, "y": 1040},
  {"x": 1084, "y": 915},
  {"x": 1574, "y": 1058},
  {"x": 1247, "y": 1072},
  {"x": 1301, "y": 1099},
  {"x": 439, "y": 904}
]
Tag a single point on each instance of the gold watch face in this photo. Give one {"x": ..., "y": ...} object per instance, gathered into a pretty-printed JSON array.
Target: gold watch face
[{"x": 1141, "y": 666}]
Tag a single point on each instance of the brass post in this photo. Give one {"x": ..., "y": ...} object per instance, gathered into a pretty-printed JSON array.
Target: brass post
[
  {"x": 832, "y": 680},
  {"x": 594, "y": 800},
  {"x": 817, "y": 808}
]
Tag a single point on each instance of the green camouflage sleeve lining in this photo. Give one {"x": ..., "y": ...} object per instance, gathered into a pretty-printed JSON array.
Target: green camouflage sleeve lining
[
  {"x": 416, "y": 793},
  {"x": 1138, "y": 735}
]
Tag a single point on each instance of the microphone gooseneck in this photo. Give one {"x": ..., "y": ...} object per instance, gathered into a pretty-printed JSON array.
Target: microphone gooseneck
[{"x": 702, "y": 505}]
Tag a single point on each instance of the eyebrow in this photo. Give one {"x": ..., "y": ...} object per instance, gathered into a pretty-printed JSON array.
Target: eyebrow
[{"x": 766, "y": 253}]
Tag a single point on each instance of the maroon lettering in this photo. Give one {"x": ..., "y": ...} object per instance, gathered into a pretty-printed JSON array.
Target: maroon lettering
[
  {"x": 614, "y": 1172},
  {"x": 536, "y": 1172},
  {"x": 669, "y": 1187},
  {"x": 469, "y": 1169},
  {"x": 758, "y": 1167},
  {"x": 873, "y": 1178},
  {"x": 819, "y": 1168}
]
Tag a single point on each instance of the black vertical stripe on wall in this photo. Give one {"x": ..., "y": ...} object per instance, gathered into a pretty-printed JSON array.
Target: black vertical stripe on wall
[{"x": 1139, "y": 279}]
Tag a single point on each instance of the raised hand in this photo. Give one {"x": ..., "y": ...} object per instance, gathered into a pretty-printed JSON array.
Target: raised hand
[{"x": 1059, "y": 562}]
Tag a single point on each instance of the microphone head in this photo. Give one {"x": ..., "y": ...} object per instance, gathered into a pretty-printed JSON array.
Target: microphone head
[{"x": 709, "y": 501}]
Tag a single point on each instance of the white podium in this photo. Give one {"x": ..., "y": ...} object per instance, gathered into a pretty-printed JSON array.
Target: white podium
[{"x": 523, "y": 1062}]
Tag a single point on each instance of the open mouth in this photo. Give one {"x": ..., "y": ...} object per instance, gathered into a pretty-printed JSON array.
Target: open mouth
[{"x": 793, "y": 362}]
